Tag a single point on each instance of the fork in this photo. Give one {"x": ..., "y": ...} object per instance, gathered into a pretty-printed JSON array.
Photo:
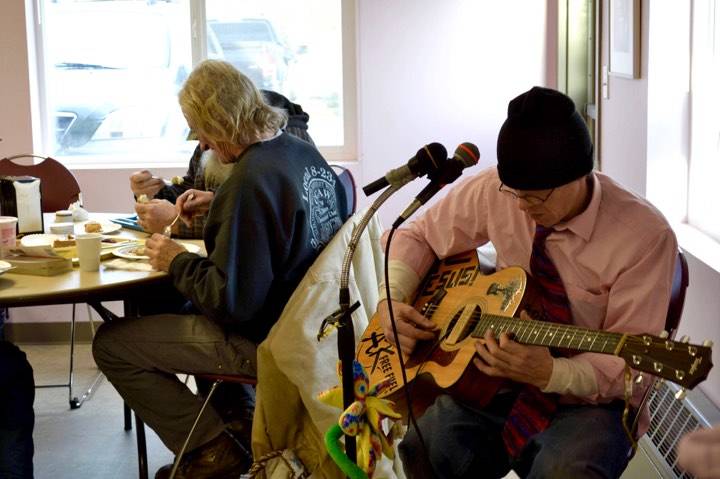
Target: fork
[{"x": 168, "y": 229}]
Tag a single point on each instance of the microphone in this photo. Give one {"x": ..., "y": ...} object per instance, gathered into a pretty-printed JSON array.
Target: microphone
[
  {"x": 426, "y": 160},
  {"x": 466, "y": 155}
]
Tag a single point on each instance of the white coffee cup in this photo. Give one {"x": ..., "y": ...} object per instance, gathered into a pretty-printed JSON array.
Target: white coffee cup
[
  {"x": 88, "y": 250},
  {"x": 7, "y": 233}
]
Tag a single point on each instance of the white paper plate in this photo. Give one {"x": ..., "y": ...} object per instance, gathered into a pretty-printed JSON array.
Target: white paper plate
[
  {"x": 128, "y": 252},
  {"x": 39, "y": 239},
  {"x": 4, "y": 266},
  {"x": 47, "y": 239}
]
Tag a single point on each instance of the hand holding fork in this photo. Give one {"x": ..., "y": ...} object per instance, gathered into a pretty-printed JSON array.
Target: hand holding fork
[{"x": 167, "y": 231}]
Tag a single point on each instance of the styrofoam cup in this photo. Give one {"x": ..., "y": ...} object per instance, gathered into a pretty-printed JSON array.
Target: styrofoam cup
[
  {"x": 63, "y": 216},
  {"x": 62, "y": 228},
  {"x": 8, "y": 233},
  {"x": 88, "y": 250}
]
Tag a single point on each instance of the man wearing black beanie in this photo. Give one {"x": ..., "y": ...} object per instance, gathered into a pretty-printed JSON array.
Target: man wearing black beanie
[{"x": 603, "y": 259}]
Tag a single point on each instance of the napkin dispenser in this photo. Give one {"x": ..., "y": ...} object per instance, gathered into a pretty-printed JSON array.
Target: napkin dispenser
[{"x": 20, "y": 196}]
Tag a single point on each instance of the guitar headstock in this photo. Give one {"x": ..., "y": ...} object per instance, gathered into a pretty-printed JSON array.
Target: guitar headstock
[{"x": 678, "y": 361}]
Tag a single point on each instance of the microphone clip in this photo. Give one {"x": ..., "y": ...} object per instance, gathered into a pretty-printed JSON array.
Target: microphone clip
[{"x": 333, "y": 321}]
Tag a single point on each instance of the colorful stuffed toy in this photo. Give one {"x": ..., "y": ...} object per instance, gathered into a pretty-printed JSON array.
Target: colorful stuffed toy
[{"x": 361, "y": 419}]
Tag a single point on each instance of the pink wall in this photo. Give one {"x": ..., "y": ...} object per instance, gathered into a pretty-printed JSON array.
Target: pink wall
[
  {"x": 440, "y": 71},
  {"x": 624, "y": 117},
  {"x": 15, "y": 119}
]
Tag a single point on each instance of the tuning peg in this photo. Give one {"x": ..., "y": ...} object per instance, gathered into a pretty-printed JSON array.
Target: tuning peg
[
  {"x": 639, "y": 379},
  {"x": 685, "y": 339},
  {"x": 680, "y": 394},
  {"x": 708, "y": 343},
  {"x": 658, "y": 383},
  {"x": 664, "y": 335}
]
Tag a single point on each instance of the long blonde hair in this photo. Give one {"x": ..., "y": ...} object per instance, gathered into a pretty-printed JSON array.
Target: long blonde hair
[{"x": 224, "y": 106}]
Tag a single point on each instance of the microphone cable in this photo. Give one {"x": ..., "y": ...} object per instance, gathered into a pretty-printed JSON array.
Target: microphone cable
[{"x": 393, "y": 324}]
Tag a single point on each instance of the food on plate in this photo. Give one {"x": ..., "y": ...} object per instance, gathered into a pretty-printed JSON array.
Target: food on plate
[
  {"x": 64, "y": 243},
  {"x": 142, "y": 198},
  {"x": 93, "y": 227},
  {"x": 177, "y": 180},
  {"x": 115, "y": 240},
  {"x": 138, "y": 251}
]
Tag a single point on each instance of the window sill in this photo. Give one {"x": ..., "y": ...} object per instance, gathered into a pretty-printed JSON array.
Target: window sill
[{"x": 699, "y": 244}]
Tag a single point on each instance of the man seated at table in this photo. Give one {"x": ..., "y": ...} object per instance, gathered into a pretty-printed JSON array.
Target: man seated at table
[
  {"x": 267, "y": 223},
  {"x": 205, "y": 173}
]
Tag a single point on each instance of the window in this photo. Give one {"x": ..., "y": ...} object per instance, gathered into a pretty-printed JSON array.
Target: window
[
  {"x": 112, "y": 71},
  {"x": 705, "y": 123}
]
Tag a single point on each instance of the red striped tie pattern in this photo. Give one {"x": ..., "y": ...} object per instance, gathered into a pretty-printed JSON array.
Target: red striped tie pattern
[{"x": 533, "y": 410}]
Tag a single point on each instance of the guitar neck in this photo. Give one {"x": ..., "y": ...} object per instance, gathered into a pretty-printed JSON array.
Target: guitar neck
[{"x": 541, "y": 333}]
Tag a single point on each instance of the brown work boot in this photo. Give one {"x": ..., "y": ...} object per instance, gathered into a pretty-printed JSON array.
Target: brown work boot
[{"x": 222, "y": 457}]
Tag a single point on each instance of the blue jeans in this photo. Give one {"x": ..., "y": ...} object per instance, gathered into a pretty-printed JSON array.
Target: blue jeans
[
  {"x": 582, "y": 441},
  {"x": 17, "y": 393}
]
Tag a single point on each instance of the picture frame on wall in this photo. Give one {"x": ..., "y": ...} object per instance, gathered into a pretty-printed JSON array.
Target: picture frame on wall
[{"x": 625, "y": 38}]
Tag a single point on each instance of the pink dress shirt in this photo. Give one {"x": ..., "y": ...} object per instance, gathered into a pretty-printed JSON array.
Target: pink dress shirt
[{"x": 616, "y": 258}]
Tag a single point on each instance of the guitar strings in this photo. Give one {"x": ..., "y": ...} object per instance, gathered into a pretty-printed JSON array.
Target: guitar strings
[{"x": 599, "y": 341}]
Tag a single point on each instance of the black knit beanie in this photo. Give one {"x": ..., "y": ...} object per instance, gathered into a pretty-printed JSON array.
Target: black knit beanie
[{"x": 544, "y": 143}]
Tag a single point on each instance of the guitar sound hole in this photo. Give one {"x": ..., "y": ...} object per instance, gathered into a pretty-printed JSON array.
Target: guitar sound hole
[{"x": 462, "y": 324}]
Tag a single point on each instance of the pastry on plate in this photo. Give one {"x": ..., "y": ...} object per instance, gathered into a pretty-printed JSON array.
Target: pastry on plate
[{"x": 93, "y": 227}]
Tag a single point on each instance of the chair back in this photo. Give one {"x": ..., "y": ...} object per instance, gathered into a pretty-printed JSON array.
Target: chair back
[
  {"x": 58, "y": 186},
  {"x": 348, "y": 183},
  {"x": 681, "y": 279},
  {"x": 680, "y": 282}
]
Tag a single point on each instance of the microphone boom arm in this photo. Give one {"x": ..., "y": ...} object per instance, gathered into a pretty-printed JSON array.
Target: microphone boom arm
[{"x": 343, "y": 317}]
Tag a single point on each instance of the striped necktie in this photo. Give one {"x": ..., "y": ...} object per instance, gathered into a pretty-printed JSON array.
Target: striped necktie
[{"x": 533, "y": 410}]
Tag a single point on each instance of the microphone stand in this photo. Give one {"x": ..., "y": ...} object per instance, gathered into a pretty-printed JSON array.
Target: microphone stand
[{"x": 343, "y": 317}]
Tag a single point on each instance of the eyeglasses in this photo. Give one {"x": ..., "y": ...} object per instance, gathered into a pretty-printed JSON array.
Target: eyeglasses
[{"x": 532, "y": 200}]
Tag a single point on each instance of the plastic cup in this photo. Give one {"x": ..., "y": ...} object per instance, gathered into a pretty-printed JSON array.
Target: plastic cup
[
  {"x": 8, "y": 233},
  {"x": 88, "y": 250}
]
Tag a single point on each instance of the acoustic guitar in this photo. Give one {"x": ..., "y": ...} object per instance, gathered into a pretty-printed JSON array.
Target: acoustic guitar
[{"x": 464, "y": 304}]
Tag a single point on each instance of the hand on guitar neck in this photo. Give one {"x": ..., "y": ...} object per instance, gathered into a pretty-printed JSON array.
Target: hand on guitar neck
[
  {"x": 505, "y": 358},
  {"x": 411, "y": 325}
]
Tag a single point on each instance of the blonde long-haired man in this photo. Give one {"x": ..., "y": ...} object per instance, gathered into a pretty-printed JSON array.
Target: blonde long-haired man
[{"x": 265, "y": 226}]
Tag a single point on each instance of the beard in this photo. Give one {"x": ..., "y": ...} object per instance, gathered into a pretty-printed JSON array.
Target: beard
[{"x": 214, "y": 171}]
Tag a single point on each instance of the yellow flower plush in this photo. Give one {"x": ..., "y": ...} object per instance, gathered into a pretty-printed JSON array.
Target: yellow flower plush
[{"x": 363, "y": 418}]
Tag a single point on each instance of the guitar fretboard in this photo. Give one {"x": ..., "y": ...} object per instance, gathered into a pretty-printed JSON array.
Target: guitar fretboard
[{"x": 540, "y": 333}]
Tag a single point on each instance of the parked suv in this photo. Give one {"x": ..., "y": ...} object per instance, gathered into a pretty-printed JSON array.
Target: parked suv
[{"x": 254, "y": 48}]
